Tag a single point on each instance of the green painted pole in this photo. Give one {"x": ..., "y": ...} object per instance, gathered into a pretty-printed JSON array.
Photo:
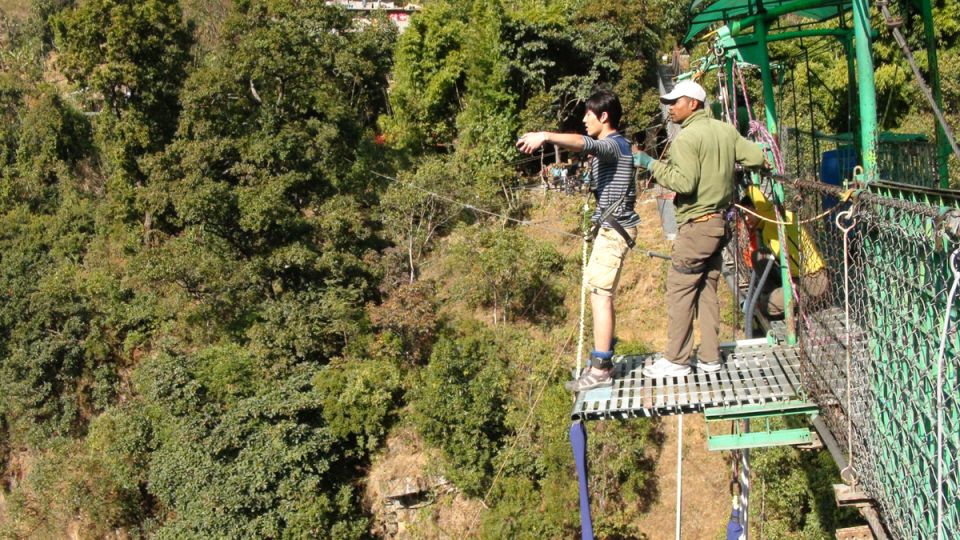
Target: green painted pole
[
  {"x": 851, "y": 82},
  {"x": 769, "y": 97},
  {"x": 867, "y": 87},
  {"x": 770, "y": 110},
  {"x": 943, "y": 145}
]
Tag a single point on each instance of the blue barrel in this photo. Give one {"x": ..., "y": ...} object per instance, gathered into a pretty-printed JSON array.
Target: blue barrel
[{"x": 838, "y": 164}]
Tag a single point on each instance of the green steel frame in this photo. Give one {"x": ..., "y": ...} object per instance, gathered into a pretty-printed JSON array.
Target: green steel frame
[
  {"x": 901, "y": 239},
  {"x": 762, "y": 438}
]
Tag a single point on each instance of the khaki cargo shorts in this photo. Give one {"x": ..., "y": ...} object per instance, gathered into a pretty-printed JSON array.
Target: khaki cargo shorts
[{"x": 606, "y": 260}]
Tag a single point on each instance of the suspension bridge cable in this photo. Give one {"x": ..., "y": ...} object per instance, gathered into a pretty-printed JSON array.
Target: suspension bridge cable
[
  {"x": 526, "y": 423},
  {"x": 894, "y": 25},
  {"x": 523, "y": 429}
]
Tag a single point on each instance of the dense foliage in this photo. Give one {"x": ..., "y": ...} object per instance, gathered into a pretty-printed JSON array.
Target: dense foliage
[{"x": 232, "y": 262}]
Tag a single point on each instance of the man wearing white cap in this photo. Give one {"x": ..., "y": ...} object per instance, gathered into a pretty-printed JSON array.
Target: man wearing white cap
[{"x": 700, "y": 169}]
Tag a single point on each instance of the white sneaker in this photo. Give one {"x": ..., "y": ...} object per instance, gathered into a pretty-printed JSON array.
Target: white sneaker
[
  {"x": 665, "y": 368},
  {"x": 708, "y": 367}
]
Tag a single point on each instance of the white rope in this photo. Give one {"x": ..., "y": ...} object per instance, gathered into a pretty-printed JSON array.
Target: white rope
[
  {"x": 679, "y": 470},
  {"x": 940, "y": 357},
  {"x": 583, "y": 295},
  {"x": 848, "y": 216},
  {"x": 779, "y": 222},
  {"x": 745, "y": 486}
]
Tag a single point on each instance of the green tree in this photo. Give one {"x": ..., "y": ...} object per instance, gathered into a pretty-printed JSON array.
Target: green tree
[
  {"x": 129, "y": 58},
  {"x": 415, "y": 218},
  {"x": 459, "y": 404},
  {"x": 267, "y": 170},
  {"x": 508, "y": 272}
]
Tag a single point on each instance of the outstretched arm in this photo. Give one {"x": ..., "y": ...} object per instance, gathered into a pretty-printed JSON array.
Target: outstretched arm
[{"x": 529, "y": 142}]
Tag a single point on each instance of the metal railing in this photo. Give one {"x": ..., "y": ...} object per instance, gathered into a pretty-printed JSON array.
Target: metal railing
[{"x": 870, "y": 345}]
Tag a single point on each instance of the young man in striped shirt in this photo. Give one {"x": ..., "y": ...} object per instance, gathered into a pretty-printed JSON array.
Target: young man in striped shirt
[{"x": 616, "y": 193}]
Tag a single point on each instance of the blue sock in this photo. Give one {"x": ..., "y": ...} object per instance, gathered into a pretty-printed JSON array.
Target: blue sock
[{"x": 605, "y": 359}]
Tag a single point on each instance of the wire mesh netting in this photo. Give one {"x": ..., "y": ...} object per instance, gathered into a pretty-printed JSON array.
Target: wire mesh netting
[
  {"x": 894, "y": 294},
  {"x": 831, "y": 158}
]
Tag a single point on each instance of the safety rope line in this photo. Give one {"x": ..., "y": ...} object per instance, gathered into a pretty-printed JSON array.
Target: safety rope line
[
  {"x": 524, "y": 222},
  {"x": 583, "y": 291},
  {"x": 850, "y": 217},
  {"x": 737, "y": 72},
  {"x": 940, "y": 407},
  {"x": 679, "y": 473},
  {"x": 778, "y": 222}
]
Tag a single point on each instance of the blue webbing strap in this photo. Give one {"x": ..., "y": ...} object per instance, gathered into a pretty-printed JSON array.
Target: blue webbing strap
[{"x": 578, "y": 440}]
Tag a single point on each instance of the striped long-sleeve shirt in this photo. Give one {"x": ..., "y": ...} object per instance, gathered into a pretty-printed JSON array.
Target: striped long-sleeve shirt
[{"x": 612, "y": 171}]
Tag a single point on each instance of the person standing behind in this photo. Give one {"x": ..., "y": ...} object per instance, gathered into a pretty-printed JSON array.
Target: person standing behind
[
  {"x": 616, "y": 193},
  {"x": 700, "y": 169}
]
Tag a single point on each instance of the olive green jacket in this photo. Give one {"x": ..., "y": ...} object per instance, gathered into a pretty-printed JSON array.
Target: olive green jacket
[{"x": 700, "y": 165}]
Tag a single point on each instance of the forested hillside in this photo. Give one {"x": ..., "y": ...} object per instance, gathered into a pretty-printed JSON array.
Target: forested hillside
[{"x": 225, "y": 284}]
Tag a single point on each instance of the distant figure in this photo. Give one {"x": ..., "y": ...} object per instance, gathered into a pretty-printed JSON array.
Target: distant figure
[
  {"x": 616, "y": 193},
  {"x": 700, "y": 169}
]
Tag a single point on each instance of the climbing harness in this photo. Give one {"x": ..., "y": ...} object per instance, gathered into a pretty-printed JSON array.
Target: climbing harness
[{"x": 607, "y": 218}]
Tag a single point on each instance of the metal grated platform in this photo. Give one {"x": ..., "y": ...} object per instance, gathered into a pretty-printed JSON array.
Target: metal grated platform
[{"x": 752, "y": 372}]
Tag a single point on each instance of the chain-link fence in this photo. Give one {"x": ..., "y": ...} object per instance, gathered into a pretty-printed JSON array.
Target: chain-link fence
[{"x": 880, "y": 321}]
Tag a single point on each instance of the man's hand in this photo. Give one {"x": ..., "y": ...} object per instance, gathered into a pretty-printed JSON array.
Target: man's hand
[
  {"x": 641, "y": 159},
  {"x": 530, "y": 142}
]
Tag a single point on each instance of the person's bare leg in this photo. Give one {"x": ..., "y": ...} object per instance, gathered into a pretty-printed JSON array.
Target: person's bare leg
[{"x": 604, "y": 321}]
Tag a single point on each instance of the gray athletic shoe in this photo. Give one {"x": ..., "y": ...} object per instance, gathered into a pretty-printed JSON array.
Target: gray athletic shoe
[{"x": 590, "y": 378}]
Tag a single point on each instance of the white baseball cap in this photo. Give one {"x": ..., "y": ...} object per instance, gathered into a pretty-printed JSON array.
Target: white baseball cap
[{"x": 686, "y": 88}]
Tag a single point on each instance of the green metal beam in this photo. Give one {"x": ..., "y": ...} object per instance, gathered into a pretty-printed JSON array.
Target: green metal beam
[
  {"x": 761, "y": 413},
  {"x": 759, "y": 439},
  {"x": 760, "y": 410},
  {"x": 769, "y": 96},
  {"x": 773, "y": 13},
  {"x": 743, "y": 41}
]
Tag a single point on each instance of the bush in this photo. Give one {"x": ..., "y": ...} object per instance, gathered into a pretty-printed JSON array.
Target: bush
[
  {"x": 509, "y": 273},
  {"x": 459, "y": 404}
]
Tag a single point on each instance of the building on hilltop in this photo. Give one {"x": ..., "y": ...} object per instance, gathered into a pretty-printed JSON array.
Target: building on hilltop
[{"x": 399, "y": 14}]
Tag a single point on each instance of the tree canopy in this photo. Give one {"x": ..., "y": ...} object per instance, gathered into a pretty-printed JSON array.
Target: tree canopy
[{"x": 243, "y": 243}]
